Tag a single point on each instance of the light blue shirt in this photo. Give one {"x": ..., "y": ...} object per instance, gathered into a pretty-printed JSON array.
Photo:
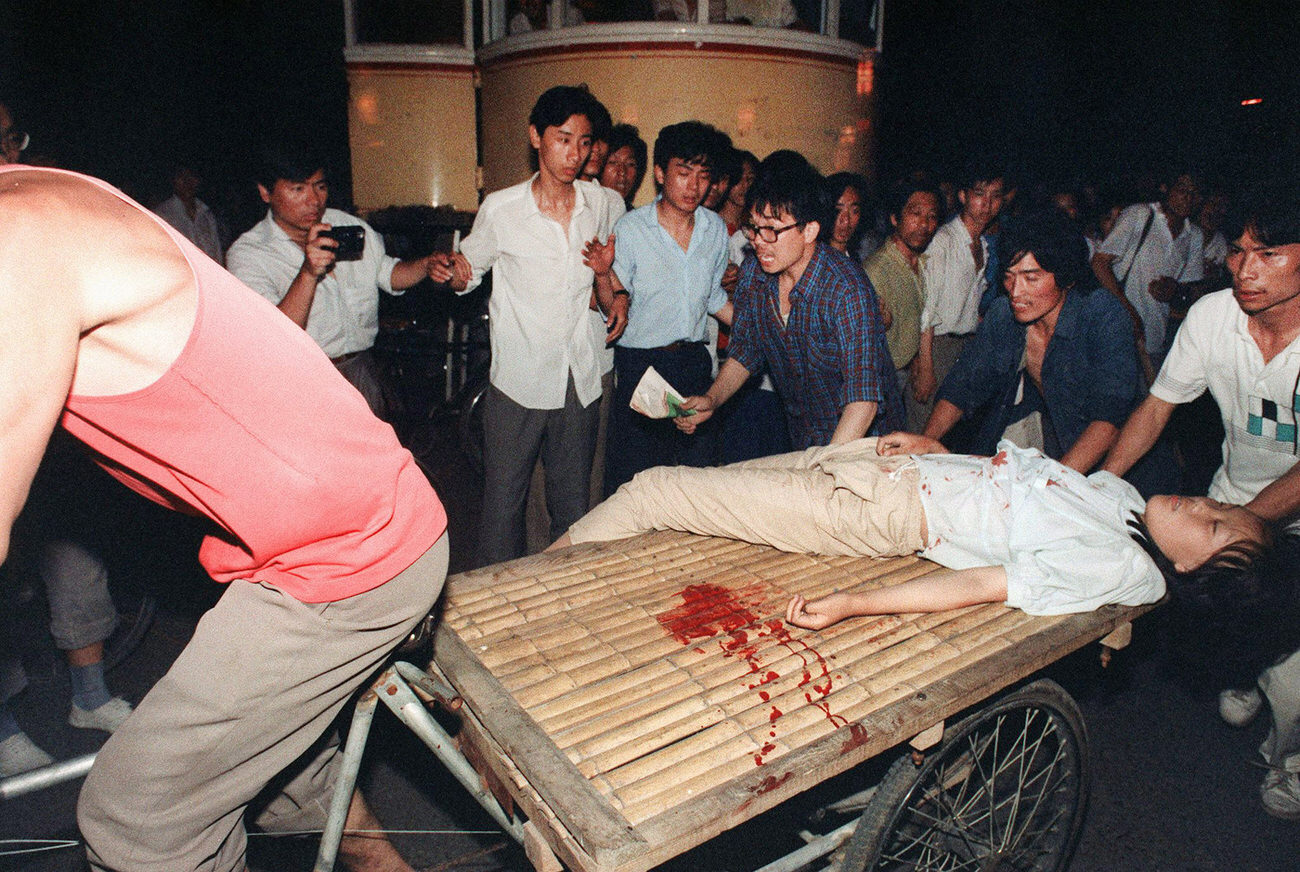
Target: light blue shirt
[{"x": 673, "y": 291}]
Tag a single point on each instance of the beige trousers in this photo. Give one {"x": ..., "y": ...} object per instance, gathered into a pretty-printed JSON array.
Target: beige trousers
[
  {"x": 837, "y": 499},
  {"x": 247, "y": 703}
]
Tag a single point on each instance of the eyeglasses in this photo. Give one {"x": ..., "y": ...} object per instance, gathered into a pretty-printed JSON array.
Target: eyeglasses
[
  {"x": 767, "y": 234},
  {"x": 15, "y": 139}
]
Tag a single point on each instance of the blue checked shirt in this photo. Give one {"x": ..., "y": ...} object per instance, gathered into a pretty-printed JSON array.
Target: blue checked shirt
[{"x": 832, "y": 351}]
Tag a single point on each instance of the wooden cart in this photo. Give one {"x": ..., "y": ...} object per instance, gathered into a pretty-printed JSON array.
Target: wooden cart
[{"x": 635, "y": 699}]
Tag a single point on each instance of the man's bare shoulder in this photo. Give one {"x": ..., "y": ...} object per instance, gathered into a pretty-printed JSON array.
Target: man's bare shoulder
[
  {"x": 74, "y": 246},
  {"x": 49, "y": 216}
]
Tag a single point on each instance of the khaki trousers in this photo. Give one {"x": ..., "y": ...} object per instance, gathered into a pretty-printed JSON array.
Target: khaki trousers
[
  {"x": 247, "y": 701},
  {"x": 836, "y": 499}
]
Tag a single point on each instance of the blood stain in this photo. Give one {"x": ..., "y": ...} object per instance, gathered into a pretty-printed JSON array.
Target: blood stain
[
  {"x": 999, "y": 459},
  {"x": 709, "y": 611},
  {"x": 857, "y": 738},
  {"x": 770, "y": 783}
]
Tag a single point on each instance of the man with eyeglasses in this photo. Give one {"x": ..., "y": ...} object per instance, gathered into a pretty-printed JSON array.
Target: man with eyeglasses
[{"x": 809, "y": 314}]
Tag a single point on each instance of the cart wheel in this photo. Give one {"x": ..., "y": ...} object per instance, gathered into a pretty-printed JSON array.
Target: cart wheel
[{"x": 1006, "y": 790}]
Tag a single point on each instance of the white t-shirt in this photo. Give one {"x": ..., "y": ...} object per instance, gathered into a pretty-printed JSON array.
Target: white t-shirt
[
  {"x": 202, "y": 230},
  {"x": 1062, "y": 537},
  {"x": 539, "y": 312},
  {"x": 1214, "y": 350},
  {"x": 1161, "y": 255}
]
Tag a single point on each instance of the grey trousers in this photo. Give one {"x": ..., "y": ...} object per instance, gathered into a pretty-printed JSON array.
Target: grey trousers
[
  {"x": 944, "y": 352},
  {"x": 362, "y": 372},
  {"x": 249, "y": 698},
  {"x": 514, "y": 437}
]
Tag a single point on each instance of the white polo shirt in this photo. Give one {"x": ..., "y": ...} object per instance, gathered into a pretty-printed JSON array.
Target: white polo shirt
[
  {"x": 539, "y": 311},
  {"x": 1258, "y": 402}
]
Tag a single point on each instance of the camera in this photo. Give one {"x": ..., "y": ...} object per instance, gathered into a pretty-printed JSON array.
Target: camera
[{"x": 351, "y": 239}]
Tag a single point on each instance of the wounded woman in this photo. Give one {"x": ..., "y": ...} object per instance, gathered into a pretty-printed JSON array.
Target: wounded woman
[{"x": 1017, "y": 527}]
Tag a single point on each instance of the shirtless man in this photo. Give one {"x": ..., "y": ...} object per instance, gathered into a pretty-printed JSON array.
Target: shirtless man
[{"x": 193, "y": 390}]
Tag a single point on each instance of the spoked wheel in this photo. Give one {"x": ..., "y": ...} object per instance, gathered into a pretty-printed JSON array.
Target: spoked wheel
[{"x": 1006, "y": 790}]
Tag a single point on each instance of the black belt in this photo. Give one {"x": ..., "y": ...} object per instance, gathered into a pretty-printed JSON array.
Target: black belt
[
  {"x": 679, "y": 345},
  {"x": 344, "y": 358}
]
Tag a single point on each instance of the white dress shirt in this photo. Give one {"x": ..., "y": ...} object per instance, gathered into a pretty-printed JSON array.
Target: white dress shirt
[
  {"x": 539, "y": 312},
  {"x": 1161, "y": 255},
  {"x": 953, "y": 283},
  {"x": 344, "y": 316},
  {"x": 202, "y": 230},
  {"x": 1062, "y": 537}
]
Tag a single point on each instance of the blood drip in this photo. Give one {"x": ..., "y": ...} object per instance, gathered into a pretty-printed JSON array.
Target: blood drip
[{"x": 709, "y": 611}]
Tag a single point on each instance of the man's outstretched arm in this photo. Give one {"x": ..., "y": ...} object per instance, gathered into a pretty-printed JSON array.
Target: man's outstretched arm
[
  {"x": 1139, "y": 433},
  {"x": 1281, "y": 499},
  {"x": 40, "y": 326}
]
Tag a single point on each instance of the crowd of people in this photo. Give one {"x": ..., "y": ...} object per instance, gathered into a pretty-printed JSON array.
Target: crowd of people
[{"x": 827, "y": 356}]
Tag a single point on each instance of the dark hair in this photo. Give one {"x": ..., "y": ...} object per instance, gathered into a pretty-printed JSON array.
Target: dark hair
[
  {"x": 727, "y": 163},
  {"x": 745, "y": 157},
  {"x": 1235, "y": 614},
  {"x": 980, "y": 170},
  {"x": 902, "y": 190},
  {"x": 785, "y": 182},
  {"x": 836, "y": 184},
  {"x": 290, "y": 162},
  {"x": 562, "y": 102},
  {"x": 692, "y": 142},
  {"x": 1272, "y": 216},
  {"x": 1173, "y": 172},
  {"x": 626, "y": 135},
  {"x": 1054, "y": 241}
]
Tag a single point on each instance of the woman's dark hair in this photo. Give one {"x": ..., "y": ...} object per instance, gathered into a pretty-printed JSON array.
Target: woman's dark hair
[
  {"x": 1055, "y": 242},
  {"x": 785, "y": 182},
  {"x": 1236, "y": 613}
]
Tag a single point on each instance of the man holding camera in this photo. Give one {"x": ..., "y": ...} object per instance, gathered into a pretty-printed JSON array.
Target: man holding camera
[{"x": 321, "y": 267}]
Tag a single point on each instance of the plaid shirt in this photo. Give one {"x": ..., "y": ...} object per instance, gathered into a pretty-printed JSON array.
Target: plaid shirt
[{"x": 832, "y": 351}]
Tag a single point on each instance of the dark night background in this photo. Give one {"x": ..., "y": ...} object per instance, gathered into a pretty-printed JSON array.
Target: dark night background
[{"x": 1104, "y": 90}]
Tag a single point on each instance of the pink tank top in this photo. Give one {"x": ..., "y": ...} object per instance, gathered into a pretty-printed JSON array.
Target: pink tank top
[{"x": 254, "y": 428}]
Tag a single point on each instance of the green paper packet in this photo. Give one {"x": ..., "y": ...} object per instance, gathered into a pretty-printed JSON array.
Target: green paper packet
[{"x": 675, "y": 409}]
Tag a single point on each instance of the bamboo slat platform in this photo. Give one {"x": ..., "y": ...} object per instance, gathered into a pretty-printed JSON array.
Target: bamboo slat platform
[{"x": 637, "y": 698}]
